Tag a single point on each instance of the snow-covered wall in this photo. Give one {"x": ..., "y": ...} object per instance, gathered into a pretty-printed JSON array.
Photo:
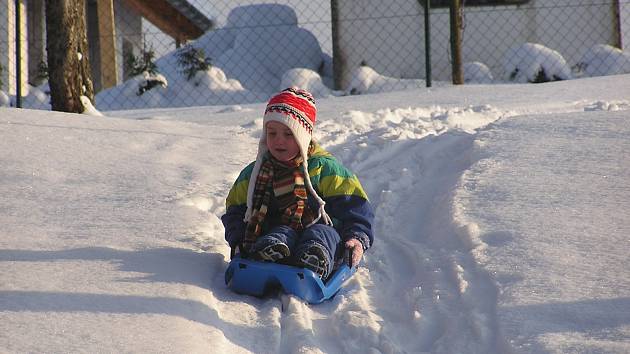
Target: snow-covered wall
[{"x": 389, "y": 37}]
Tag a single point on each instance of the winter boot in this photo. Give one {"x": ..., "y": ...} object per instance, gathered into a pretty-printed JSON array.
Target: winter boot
[
  {"x": 315, "y": 259},
  {"x": 272, "y": 253}
]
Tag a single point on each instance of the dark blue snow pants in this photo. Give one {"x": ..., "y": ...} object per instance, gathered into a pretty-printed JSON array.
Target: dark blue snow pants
[{"x": 298, "y": 242}]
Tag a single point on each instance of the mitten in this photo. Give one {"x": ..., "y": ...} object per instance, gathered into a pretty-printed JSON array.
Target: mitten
[{"x": 357, "y": 250}]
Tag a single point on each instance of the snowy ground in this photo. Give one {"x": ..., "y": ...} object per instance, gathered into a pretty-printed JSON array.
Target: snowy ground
[{"x": 501, "y": 226}]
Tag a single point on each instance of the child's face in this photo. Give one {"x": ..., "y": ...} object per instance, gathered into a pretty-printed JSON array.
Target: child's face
[{"x": 280, "y": 141}]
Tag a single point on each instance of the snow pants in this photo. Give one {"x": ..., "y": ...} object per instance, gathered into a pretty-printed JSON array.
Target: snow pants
[{"x": 298, "y": 242}]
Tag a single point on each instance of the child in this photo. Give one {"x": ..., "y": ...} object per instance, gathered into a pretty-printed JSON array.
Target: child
[{"x": 296, "y": 203}]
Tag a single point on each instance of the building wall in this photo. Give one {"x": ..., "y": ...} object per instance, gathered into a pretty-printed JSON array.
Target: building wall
[
  {"x": 129, "y": 39},
  {"x": 388, "y": 36},
  {"x": 36, "y": 23},
  {"x": 94, "y": 43},
  {"x": 381, "y": 35}
]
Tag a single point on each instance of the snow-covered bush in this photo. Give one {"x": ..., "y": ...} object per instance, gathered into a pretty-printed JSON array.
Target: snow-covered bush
[
  {"x": 604, "y": 59},
  {"x": 214, "y": 79},
  {"x": 145, "y": 62},
  {"x": 193, "y": 60},
  {"x": 535, "y": 63},
  {"x": 210, "y": 87},
  {"x": 364, "y": 79},
  {"x": 477, "y": 73},
  {"x": 144, "y": 72},
  {"x": 305, "y": 79},
  {"x": 147, "y": 81}
]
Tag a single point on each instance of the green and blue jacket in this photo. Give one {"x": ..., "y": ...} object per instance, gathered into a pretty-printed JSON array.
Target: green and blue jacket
[{"x": 346, "y": 201}]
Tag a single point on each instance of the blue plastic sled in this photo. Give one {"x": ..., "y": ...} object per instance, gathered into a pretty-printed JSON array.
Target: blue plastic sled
[{"x": 245, "y": 276}]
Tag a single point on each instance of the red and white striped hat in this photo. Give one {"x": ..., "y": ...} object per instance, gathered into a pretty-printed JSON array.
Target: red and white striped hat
[{"x": 296, "y": 109}]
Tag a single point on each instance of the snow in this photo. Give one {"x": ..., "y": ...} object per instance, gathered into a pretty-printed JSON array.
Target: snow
[
  {"x": 526, "y": 62},
  {"x": 500, "y": 208},
  {"x": 366, "y": 80},
  {"x": 501, "y": 226},
  {"x": 477, "y": 72},
  {"x": 88, "y": 108},
  {"x": 582, "y": 228},
  {"x": 604, "y": 59}
]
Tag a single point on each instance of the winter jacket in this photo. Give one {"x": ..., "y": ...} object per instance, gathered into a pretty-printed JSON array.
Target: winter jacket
[{"x": 346, "y": 201}]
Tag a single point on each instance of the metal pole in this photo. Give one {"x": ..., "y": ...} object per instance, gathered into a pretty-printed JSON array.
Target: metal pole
[
  {"x": 18, "y": 55},
  {"x": 617, "y": 24},
  {"x": 339, "y": 61},
  {"x": 427, "y": 41}
]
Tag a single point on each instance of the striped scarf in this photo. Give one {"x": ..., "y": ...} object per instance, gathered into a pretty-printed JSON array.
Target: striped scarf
[{"x": 286, "y": 182}]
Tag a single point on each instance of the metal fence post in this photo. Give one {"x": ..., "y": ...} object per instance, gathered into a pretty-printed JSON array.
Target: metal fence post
[
  {"x": 18, "y": 56},
  {"x": 617, "y": 25},
  {"x": 427, "y": 41},
  {"x": 338, "y": 56}
]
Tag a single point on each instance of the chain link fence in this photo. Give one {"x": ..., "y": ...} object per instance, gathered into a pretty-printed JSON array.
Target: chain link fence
[{"x": 176, "y": 53}]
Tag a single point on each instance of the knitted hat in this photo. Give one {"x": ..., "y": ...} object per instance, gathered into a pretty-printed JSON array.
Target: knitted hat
[{"x": 296, "y": 109}]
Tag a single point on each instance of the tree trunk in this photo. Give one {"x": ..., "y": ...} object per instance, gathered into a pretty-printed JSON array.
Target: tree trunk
[
  {"x": 67, "y": 48},
  {"x": 456, "y": 15}
]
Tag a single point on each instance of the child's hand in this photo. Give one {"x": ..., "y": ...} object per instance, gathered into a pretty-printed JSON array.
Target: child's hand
[{"x": 357, "y": 250}]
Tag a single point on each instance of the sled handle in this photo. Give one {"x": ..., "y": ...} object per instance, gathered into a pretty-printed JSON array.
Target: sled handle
[{"x": 349, "y": 252}]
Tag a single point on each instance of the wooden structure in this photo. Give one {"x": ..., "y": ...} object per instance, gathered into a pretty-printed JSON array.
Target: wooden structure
[
  {"x": 176, "y": 18},
  {"x": 114, "y": 26}
]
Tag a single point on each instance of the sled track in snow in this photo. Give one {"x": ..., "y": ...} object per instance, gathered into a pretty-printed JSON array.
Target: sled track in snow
[{"x": 421, "y": 271}]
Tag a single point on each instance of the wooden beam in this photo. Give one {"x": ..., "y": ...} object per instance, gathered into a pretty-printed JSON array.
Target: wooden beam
[
  {"x": 107, "y": 43},
  {"x": 166, "y": 18}
]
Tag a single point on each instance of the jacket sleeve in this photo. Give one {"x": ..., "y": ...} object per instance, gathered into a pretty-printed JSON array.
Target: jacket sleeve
[
  {"x": 235, "y": 208},
  {"x": 355, "y": 215},
  {"x": 346, "y": 202},
  {"x": 234, "y": 224}
]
